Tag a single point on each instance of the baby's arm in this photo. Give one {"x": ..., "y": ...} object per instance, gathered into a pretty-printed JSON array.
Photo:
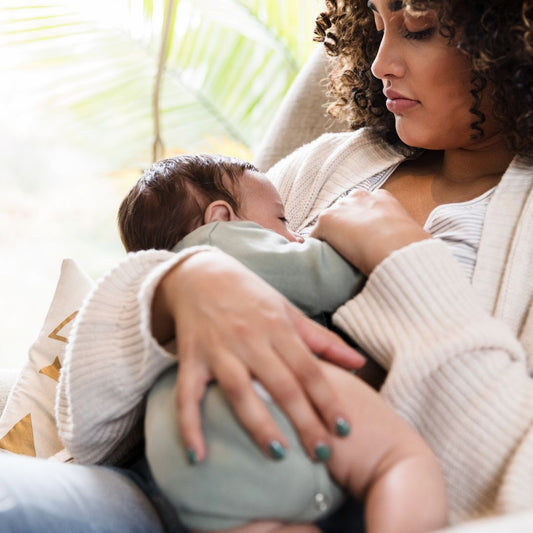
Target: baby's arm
[
  {"x": 311, "y": 274},
  {"x": 386, "y": 463}
]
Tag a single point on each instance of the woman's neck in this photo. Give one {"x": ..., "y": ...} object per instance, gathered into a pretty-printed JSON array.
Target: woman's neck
[
  {"x": 487, "y": 160},
  {"x": 450, "y": 176}
]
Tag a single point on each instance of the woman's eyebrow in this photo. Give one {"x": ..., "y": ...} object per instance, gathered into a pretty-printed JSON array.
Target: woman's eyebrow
[{"x": 394, "y": 5}]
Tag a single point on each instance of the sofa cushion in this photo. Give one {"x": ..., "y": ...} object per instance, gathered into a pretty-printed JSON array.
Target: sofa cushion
[
  {"x": 27, "y": 423},
  {"x": 302, "y": 116},
  {"x": 7, "y": 379}
]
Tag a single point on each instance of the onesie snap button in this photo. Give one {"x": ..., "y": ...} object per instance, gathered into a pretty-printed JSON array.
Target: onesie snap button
[{"x": 321, "y": 502}]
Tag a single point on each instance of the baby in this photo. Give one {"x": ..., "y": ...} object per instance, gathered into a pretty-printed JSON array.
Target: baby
[{"x": 225, "y": 202}]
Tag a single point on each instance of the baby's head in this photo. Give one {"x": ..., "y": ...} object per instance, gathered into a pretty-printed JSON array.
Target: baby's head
[{"x": 177, "y": 195}]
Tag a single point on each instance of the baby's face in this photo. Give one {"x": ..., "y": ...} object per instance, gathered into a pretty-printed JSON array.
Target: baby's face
[{"x": 260, "y": 202}]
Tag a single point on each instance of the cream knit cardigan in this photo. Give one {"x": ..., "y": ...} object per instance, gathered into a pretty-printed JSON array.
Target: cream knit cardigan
[{"x": 459, "y": 354}]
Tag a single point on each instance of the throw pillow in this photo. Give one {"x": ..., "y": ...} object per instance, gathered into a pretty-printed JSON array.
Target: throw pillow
[{"x": 27, "y": 424}]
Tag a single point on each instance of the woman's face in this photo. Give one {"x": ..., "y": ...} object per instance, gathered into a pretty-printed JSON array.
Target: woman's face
[{"x": 426, "y": 81}]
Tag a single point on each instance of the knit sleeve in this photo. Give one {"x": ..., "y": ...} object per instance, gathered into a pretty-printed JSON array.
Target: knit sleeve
[
  {"x": 456, "y": 373},
  {"x": 112, "y": 360}
]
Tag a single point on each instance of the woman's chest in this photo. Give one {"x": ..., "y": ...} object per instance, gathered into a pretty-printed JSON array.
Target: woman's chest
[{"x": 423, "y": 194}]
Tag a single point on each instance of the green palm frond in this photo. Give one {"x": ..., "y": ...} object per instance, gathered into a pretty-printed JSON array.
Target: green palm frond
[{"x": 93, "y": 67}]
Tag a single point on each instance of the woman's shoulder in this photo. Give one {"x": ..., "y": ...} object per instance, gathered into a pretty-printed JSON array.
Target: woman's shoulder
[
  {"x": 340, "y": 159},
  {"x": 332, "y": 150},
  {"x": 356, "y": 139}
]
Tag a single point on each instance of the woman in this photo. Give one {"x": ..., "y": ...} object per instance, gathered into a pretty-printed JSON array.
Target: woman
[{"x": 448, "y": 146}]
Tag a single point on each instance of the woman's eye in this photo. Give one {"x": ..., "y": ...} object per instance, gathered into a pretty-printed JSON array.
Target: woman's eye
[{"x": 418, "y": 35}]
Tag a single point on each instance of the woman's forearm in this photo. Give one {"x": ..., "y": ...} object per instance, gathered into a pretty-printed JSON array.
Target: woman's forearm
[
  {"x": 423, "y": 321},
  {"x": 163, "y": 309},
  {"x": 111, "y": 361}
]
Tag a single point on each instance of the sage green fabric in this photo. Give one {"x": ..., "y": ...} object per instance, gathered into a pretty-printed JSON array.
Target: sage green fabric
[
  {"x": 237, "y": 482},
  {"x": 311, "y": 274}
]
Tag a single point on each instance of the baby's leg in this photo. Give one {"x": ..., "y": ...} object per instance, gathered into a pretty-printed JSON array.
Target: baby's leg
[{"x": 386, "y": 463}]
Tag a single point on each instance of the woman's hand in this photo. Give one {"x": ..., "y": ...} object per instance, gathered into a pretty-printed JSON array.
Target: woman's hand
[
  {"x": 366, "y": 227},
  {"x": 231, "y": 326}
]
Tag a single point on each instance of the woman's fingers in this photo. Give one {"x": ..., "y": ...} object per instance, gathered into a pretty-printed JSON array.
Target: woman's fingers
[
  {"x": 325, "y": 343},
  {"x": 318, "y": 413},
  {"x": 291, "y": 398},
  {"x": 190, "y": 389},
  {"x": 236, "y": 384},
  {"x": 348, "y": 222},
  {"x": 242, "y": 329},
  {"x": 250, "y": 408},
  {"x": 290, "y": 372}
]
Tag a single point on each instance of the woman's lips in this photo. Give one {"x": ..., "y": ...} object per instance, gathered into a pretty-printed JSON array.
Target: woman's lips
[
  {"x": 400, "y": 105},
  {"x": 397, "y": 103}
]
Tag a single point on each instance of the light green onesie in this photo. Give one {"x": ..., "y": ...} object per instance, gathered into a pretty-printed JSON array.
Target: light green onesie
[{"x": 236, "y": 483}]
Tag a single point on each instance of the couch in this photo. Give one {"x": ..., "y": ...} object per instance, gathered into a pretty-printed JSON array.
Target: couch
[
  {"x": 7, "y": 378},
  {"x": 300, "y": 119}
]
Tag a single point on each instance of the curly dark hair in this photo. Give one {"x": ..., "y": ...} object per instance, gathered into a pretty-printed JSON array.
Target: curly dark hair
[
  {"x": 169, "y": 199},
  {"x": 495, "y": 35}
]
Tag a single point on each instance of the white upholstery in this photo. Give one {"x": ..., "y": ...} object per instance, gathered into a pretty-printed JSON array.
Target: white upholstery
[
  {"x": 7, "y": 378},
  {"x": 302, "y": 116}
]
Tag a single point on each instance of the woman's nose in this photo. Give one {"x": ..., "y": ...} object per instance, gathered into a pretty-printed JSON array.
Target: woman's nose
[{"x": 388, "y": 62}]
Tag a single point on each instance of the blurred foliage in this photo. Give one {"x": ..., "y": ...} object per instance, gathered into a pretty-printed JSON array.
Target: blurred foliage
[{"x": 90, "y": 66}]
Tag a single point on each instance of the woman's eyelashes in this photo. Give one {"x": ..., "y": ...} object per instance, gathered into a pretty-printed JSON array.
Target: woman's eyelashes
[
  {"x": 413, "y": 35},
  {"x": 418, "y": 35}
]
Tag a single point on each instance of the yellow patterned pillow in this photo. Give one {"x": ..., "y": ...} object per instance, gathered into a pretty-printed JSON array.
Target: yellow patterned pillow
[{"x": 27, "y": 424}]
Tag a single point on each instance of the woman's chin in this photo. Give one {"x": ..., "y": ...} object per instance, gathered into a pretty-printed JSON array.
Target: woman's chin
[
  {"x": 416, "y": 140},
  {"x": 419, "y": 135},
  {"x": 410, "y": 134}
]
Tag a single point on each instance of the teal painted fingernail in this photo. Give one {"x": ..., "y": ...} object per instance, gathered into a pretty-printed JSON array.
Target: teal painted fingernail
[
  {"x": 322, "y": 452},
  {"x": 192, "y": 457},
  {"x": 342, "y": 427},
  {"x": 277, "y": 450}
]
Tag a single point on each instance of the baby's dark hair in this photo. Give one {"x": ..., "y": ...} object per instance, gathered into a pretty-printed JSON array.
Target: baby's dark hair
[{"x": 170, "y": 198}]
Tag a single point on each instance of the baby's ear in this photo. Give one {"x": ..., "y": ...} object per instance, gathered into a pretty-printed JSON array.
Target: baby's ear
[{"x": 219, "y": 211}]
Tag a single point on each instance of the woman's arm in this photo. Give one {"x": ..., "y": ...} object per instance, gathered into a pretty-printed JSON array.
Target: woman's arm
[
  {"x": 456, "y": 373},
  {"x": 112, "y": 360},
  {"x": 234, "y": 325}
]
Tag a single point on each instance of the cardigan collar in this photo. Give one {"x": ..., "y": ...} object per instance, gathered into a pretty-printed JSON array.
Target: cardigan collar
[
  {"x": 505, "y": 252},
  {"x": 502, "y": 276}
]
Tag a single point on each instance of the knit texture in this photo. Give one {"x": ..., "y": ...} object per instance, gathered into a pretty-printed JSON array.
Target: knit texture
[
  {"x": 457, "y": 369},
  {"x": 112, "y": 360},
  {"x": 459, "y": 354}
]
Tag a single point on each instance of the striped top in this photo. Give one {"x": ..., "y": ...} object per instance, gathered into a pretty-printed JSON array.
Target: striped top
[{"x": 458, "y": 224}]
